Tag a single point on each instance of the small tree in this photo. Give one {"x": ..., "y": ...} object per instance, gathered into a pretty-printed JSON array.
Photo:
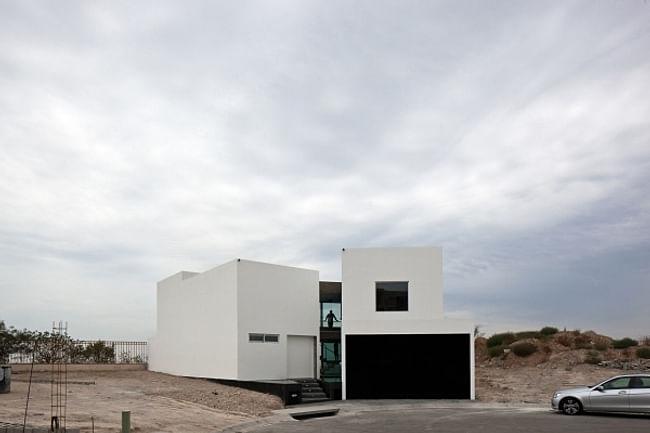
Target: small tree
[
  {"x": 14, "y": 341},
  {"x": 6, "y": 342},
  {"x": 99, "y": 352}
]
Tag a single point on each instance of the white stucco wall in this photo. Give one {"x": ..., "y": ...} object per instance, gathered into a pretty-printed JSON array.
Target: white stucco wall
[
  {"x": 197, "y": 324},
  {"x": 421, "y": 267},
  {"x": 273, "y": 299},
  {"x": 204, "y": 319}
]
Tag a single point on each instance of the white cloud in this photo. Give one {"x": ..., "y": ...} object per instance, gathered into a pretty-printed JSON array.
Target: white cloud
[{"x": 140, "y": 139}]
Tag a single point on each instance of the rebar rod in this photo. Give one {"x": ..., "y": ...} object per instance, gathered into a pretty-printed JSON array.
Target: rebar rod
[{"x": 29, "y": 387}]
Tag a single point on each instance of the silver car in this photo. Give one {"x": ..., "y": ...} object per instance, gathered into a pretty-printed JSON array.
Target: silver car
[{"x": 626, "y": 393}]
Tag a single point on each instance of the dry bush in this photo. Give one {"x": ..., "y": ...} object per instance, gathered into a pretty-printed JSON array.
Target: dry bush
[
  {"x": 582, "y": 340},
  {"x": 564, "y": 340},
  {"x": 593, "y": 357}
]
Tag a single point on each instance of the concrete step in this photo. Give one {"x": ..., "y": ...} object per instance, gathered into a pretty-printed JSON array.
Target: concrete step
[
  {"x": 314, "y": 400},
  {"x": 314, "y": 394},
  {"x": 311, "y": 391}
]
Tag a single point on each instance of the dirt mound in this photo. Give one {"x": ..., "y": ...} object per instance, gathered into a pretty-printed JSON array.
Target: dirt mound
[{"x": 560, "y": 350}]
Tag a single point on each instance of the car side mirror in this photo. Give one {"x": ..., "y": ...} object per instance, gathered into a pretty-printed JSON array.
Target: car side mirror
[{"x": 600, "y": 388}]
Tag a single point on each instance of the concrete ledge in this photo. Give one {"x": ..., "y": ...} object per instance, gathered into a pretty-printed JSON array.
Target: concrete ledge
[
  {"x": 69, "y": 382},
  {"x": 25, "y": 368},
  {"x": 289, "y": 391},
  {"x": 313, "y": 413},
  {"x": 18, "y": 428}
]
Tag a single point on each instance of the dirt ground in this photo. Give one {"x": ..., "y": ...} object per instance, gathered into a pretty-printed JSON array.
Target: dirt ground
[
  {"x": 158, "y": 402},
  {"x": 164, "y": 403},
  {"x": 534, "y": 384}
]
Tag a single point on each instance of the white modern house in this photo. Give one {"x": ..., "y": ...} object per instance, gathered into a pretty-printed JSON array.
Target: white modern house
[
  {"x": 242, "y": 320},
  {"x": 252, "y": 321}
]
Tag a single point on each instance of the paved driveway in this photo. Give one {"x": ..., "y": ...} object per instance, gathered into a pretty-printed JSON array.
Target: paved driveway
[{"x": 419, "y": 417}]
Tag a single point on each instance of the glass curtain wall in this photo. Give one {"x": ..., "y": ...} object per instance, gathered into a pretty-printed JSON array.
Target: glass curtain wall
[
  {"x": 330, "y": 331},
  {"x": 330, "y": 315}
]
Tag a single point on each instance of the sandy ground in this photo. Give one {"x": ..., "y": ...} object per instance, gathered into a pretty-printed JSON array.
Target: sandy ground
[
  {"x": 534, "y": 384},
  {"x": 163, "y": 403},
  {"x": 158, "y": 402}
]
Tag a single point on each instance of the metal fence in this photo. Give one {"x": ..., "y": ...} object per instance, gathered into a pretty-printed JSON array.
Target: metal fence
[
  {"x": 119, "y": 352},
  {"x": 126, "y": 352}
]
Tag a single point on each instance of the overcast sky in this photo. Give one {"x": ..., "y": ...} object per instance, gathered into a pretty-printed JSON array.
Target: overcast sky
[{"x": 139, "y": 138}]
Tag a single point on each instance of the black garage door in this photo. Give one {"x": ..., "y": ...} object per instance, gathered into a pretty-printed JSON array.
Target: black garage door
[{"x": 408, "y": 366}]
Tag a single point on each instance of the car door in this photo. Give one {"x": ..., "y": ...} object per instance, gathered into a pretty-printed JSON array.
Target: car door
[
  {"x": 612, "y": 395},
  {"x": 640, "y": 394}
]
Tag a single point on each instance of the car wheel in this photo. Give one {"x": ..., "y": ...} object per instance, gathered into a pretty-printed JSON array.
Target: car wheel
[{"x": 571, "y": 406}]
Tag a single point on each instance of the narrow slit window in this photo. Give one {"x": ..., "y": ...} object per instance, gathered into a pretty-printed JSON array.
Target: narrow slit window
[{"x": 263, "y": 338}]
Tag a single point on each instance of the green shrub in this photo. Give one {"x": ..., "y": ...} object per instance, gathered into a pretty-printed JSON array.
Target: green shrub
[
  {"x": 501, "y": 339},
  {"x": 624, "y": 343},
  {"x": 548, "y": 330},
  {"x": 643, "y": 352},
  {"x": 495, "y": 351},
  {"x": 528, "y": 334},
  {"x": 524, "y": 349},
  {"x": 600, "y": 346},
  {"x": 583, "y": 346}
]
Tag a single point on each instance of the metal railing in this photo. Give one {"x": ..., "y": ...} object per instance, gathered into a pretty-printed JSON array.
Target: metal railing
[
  {"x": 126, "y": 352},
  {"x": 95, "y": 352}
]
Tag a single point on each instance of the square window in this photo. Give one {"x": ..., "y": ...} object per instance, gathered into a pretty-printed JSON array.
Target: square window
[{"x": 392, "y": 295}]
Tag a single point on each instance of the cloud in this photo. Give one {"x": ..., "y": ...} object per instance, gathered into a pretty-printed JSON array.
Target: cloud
[{"x": 140, "y": 139}]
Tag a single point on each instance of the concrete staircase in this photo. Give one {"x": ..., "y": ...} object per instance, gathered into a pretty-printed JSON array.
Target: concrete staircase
[{"x": 312, "y": 392}]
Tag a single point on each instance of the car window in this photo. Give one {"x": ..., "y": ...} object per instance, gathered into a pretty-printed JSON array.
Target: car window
[
  {"x": 641, "y": 382},
  {"x": 621, "y": 382}
]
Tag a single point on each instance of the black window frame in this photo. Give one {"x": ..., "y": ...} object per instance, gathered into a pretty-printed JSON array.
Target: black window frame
[
  {"x": 271, "y": 338},
  {"x": 258, "y": 337},
  {"x": 391, "y": 303}
]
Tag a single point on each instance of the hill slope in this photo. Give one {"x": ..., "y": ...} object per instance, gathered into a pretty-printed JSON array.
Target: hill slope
[{"x": 557, "y": 360}]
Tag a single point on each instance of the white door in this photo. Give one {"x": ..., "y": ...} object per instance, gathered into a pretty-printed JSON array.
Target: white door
[{"x": 301, "y": 356}]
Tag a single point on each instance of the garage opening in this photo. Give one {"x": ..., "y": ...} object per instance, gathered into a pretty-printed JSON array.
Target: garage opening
[{"x": 431, "y": 366}]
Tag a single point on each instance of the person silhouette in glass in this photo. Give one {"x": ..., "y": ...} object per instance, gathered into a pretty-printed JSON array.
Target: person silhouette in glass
[{"x": 330, "y": 319}]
